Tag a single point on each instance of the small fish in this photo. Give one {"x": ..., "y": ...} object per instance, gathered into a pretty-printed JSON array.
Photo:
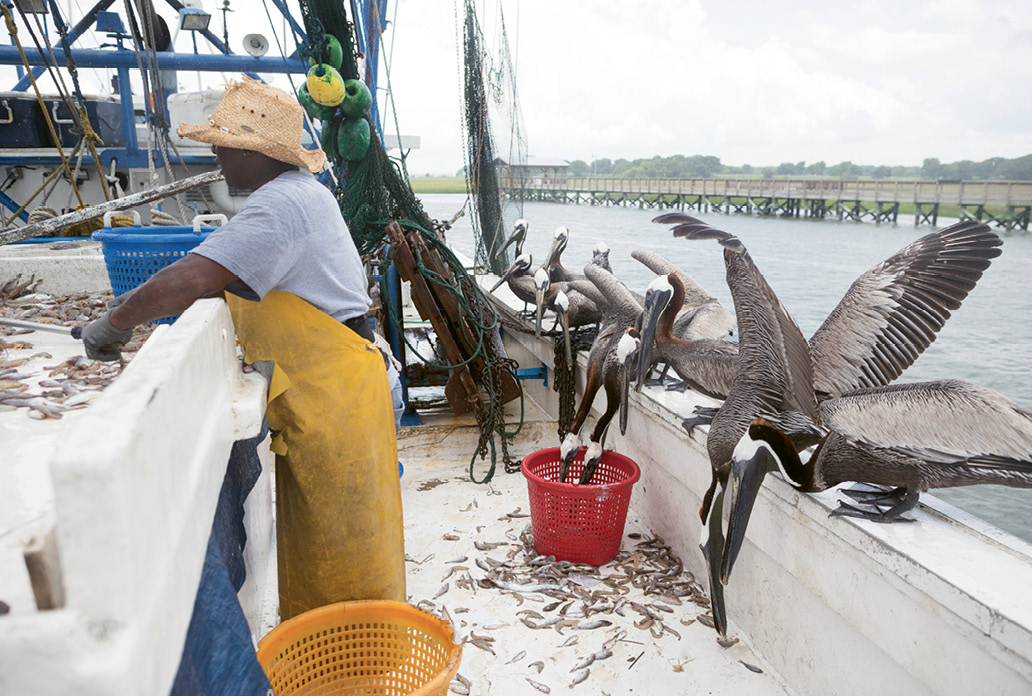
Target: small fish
[
  {"x": 452, "y": 571},
  {"x": 460, "y": 559},
  {"x": 591, "y": 625},
  {"x": 451, "y": 537},
  {"x": 751, "y": 668},
  {"x": 603, "y": 654},
  {"x": 517, "y": 657},
  {"x": 483, "y": 645},
  {"x": 579, "y": 678},
  {"x": 486, "y": 545},
  {"x": 706, "y": 620},
  {"x": 583, "y": 664},
  {"x": 538, "y": 685},
  {"x": 444, "y": 588},
  {"x": 572, "y": 640}
]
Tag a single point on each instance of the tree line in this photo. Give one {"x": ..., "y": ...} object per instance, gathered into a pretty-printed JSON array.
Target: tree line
[{"x": 707, "y": 166}]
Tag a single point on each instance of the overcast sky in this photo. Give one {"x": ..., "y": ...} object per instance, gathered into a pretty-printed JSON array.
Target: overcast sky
[{"x": 756, "y": 82}]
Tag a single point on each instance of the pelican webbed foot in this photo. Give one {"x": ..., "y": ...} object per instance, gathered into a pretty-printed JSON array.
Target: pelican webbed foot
[
  {"x": 869, "y": 494},
  {"x": 681, "y": 386},
  {"x": 904, "y": 500}
]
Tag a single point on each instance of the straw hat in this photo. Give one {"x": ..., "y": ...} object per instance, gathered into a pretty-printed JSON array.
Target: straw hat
[{"x": 259, "y": 117}]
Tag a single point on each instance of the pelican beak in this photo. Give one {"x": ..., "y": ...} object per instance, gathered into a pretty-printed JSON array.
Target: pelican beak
[
  {"x": 627, "y": 352},
  {"x": 505, "y": 276},
  {"x": 712, "y": 547},
  {"x": 749, "y": 466},
  {"x": 564, "y": 320},
  {"x": 655, "y": 302},
  {"x": 555, "y": 251},
  {"x": 539, "y": 298},
  {"x": 517, "y": 235}
]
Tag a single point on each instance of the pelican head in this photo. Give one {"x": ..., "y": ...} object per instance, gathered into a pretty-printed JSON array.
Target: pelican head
[
  {"x": 592, "y": 457},
  {"x": 559, "y": 240},
  {"x": 520, "y": 265},
  {"x": 600, "y": 255},
  {"x": 657, "y": 297},
  {"x": 518, "y": 237},
  {"x": 567, "y": 453},
  {"x": 626, "y": 352},
  {"x": 541, "y": 283},
  {"x": 561, "y": 303},
  {"x": 762, "y": 449}
]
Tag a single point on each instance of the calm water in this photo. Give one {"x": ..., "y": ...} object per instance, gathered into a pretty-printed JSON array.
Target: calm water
[{"x": 810, "y": 265}]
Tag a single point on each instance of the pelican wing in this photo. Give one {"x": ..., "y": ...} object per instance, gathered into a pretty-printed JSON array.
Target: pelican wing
[
  {"x": 774, "y": 357},
  {"x": 619, "y": 300},
  {"x": 893, "y": 312},
  {"x": 929, "y": 420},
  {"x": 694, "y": 293}
]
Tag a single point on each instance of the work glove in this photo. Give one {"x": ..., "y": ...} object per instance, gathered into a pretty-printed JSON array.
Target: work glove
[{"x": 103, "y": 341}]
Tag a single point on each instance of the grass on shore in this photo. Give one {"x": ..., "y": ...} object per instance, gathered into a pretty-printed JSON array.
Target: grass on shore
[{"x": 438, "y": 184}]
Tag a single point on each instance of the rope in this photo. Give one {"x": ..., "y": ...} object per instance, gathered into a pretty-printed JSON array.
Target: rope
[{"x": 13, "y": 31}]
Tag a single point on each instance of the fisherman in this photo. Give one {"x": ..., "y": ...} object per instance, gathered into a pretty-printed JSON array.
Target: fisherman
[{"x": 296, "y": 289}]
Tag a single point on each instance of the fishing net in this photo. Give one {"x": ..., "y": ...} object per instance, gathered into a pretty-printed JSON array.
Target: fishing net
[
  {"x": 496, "y": 151},
  {"x": 371, "y": 191},
  {"x": 374, "y": 191}
]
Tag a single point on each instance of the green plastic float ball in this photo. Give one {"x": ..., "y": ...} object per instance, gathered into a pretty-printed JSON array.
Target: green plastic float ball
[
  {"x": 335, "y": 50},
  {"x": 312, "y": 107},
  {"x": 329, "y": 135},
  {"x": 325, "y": 85},
  {"x": 357, "y": 98},
  {"x": 353, "y": 138}
]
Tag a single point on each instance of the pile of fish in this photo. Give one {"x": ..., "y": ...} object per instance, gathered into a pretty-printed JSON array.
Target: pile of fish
[
  {"x": 33, "y": 380},
  {"x": 645, "y": 587}
]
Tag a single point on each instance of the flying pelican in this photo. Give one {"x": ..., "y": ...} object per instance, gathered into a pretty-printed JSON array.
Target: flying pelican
[
  {"x": 518, "y": 237},
  {"x": 609, "y": 362},
  {"x": 889, "y": 315}
]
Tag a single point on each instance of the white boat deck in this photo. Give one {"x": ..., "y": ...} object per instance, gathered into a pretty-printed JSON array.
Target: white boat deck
[{"x": 445, "y": 513}]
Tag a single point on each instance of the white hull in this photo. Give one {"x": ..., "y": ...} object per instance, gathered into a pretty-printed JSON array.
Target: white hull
[{"x": 938, "y": 606}]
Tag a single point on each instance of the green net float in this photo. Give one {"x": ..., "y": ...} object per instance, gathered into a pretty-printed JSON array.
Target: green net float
[
  {"x": 325, "y": 85},
  {"x": 335, "y": 50},
  {"x": 353, "y": 138},
  {"x": 357, "y": 98},
  {"x": 312, "y": 107},
  {"x": 329, "y": 135}
]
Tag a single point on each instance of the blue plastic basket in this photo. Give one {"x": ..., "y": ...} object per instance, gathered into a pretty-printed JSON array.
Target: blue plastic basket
[{"x": 134, "y": 254}]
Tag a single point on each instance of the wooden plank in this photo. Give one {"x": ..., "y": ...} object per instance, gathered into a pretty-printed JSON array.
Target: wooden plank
[{"x": 461, "y": 390}]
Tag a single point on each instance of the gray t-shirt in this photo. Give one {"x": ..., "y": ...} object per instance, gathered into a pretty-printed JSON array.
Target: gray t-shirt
[{"x": 290, "y": 236}]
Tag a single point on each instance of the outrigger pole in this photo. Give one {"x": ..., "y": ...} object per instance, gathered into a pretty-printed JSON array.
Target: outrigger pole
[{"x": 40, "y": 229}]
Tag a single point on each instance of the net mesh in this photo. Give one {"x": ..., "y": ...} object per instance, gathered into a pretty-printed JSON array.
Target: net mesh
[{"x": 496, "y": 150}]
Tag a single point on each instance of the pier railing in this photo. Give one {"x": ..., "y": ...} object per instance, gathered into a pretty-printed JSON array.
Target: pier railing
[{"x": 1007, "y": 203}]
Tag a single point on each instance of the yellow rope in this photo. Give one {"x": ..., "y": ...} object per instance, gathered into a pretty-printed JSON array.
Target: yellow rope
[{"x": 13, "y": 31}]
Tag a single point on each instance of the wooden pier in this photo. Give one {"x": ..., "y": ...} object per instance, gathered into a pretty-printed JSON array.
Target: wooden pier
[{"x": 1007, "y": 204}]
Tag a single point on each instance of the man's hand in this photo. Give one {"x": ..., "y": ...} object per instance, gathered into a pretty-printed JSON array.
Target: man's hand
[{"x": 104, "y": 341}]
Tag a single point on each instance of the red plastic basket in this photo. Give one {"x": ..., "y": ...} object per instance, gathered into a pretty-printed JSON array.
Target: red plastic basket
[{"x": 582, "y": 524}]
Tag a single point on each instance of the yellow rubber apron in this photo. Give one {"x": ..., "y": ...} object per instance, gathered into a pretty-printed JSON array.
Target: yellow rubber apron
[{"x": 338, "y": 500}]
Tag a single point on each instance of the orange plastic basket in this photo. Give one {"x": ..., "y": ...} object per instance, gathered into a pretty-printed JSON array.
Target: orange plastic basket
[
  {"x": 367, "y": 647},
  {"x": 582, "y": 524}
]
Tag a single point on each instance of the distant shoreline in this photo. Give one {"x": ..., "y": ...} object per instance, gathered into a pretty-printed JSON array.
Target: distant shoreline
[{"x": 438, "y": 184}]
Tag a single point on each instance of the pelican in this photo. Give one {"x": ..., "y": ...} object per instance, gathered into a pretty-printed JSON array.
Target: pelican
[
  {"x": 889, "y": 315},
  {"x": 541, "y": 285},
  {"x": 518, "y": 237},
  {"x": 609, "y": 362},
  {"x": 600, "y": 256},
  {"x": 701, "y": 311},
  {"x": 518, "y": 276},
  {"x": 707, "y": 365},
  {"x": 556, "y": 271}
]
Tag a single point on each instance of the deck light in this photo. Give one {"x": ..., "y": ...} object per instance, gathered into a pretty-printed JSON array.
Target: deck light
[{"x": 193, "y": 19}]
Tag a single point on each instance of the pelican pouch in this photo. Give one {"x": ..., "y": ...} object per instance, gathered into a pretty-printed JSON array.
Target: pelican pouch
[{"x": 338, "y": 499}]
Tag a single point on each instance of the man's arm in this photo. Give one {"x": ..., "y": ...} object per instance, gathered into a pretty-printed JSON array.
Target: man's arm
[{"x": 172, "y": 290}]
